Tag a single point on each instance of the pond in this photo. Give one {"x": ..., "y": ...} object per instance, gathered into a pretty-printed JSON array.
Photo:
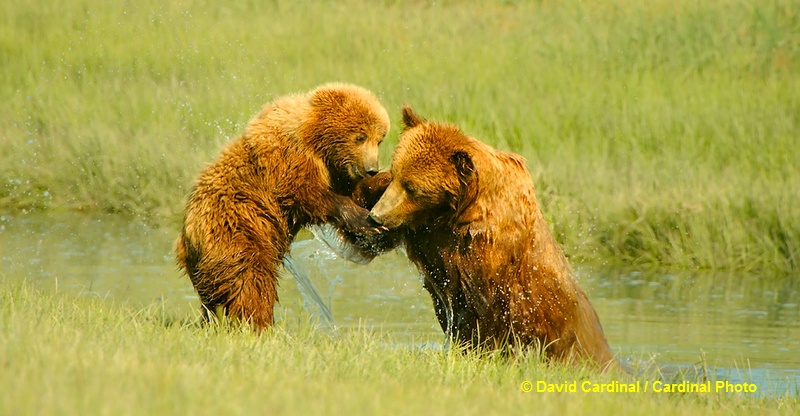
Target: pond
[{"x": 744, "y": 325}]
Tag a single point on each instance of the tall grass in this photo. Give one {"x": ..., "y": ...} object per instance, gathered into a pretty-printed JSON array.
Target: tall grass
[
  {"x": 81, "y": 356},
  {"x": 661, "y": 132}
]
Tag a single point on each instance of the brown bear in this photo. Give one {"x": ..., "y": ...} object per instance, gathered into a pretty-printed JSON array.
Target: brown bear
[
  {"x": 295, "y": 165},
  {"x": 470, "y": 221}
]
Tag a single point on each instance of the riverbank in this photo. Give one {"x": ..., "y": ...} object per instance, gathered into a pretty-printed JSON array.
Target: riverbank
[{"x": 66, "y": 355}]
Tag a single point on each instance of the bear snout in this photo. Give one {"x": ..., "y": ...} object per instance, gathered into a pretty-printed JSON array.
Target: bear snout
[{"x": 375, "y": 219}]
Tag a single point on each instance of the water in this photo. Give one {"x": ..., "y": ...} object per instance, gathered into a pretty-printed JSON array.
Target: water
[{"x": 744, "y": 326}]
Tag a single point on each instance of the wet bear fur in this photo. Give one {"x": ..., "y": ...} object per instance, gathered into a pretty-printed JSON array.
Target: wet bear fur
[
  {"x": 295, "y": 165},
  {"x": 468, "y": 218}
]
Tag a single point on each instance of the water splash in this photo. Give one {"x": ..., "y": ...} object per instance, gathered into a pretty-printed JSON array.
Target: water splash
[
  {"x": 447, "y": 303},
  {"x": 307, "y": 289},
  {"x": 329, "y": 235},
  {"x": 337, "y": 246}
]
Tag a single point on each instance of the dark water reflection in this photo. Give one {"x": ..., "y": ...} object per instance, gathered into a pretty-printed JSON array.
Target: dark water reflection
[{"x": 744, "y": 324}]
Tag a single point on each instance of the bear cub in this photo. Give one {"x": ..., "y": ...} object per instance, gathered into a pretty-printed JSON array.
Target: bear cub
[{"x": 295, "y": 165}]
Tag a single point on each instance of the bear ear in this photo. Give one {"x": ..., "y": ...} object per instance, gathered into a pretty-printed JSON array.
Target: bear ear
[
  {"x": 328, "y": 97},
  {"x": 463, "y": 163},
  {"x": 410, "y": 118}
]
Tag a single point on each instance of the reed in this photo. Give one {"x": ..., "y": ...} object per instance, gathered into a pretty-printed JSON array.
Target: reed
[{"x": 661, "y": 132}]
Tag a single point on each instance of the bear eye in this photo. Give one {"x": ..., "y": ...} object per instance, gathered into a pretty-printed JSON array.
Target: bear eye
[
  {"x": 410, "y": 190},
  {"x": 361, "y": 138}
]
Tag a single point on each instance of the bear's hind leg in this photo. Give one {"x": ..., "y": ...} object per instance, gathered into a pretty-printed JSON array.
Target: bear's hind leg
[
  {"x": 256, "y": 298},
  {"x": 245, "y": 290}
]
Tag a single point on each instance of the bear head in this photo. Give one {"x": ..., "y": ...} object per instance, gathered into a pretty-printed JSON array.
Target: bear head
[
  {"x": 433, "y": 176},
  {"x": 345, "y": 126}
]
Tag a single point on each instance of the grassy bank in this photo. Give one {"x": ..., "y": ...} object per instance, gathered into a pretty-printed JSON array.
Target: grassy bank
[
  {"x": 67, "y": 356},
  {"x": 661, "y": 132}
]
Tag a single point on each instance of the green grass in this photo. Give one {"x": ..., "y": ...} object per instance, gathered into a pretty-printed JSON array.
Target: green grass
[
  {"x": 62, "y": 355},
  {"x": 662, "y": 132}
]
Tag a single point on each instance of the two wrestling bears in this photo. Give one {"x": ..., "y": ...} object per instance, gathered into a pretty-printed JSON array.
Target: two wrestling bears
[{"x": 466, "y": 214}]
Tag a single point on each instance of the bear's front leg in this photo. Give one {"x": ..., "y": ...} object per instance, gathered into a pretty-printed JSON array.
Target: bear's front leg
[
  {"x": 366, "y": 195},
  {"x": 370, "y": 190},
  {"x": 357, "y": 229}
]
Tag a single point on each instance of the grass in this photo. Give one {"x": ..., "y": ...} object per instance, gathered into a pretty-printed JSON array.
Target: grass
[
  {"x": 660, "y": 133},
  {"x": 63, "y": 355}
]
